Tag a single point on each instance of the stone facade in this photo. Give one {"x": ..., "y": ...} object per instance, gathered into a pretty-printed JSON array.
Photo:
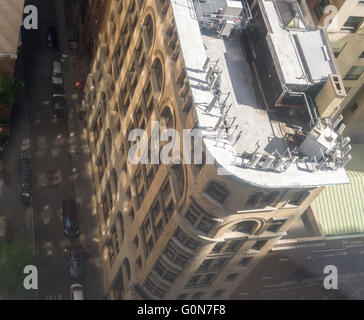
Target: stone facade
[{"x": 168, "y": 231}]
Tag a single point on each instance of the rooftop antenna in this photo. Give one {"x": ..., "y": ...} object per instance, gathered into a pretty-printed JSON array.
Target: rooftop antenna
[
  {"x": 316, "y": 164},
  {"x": 207, "y": 61},
  {"x": 267, "y": 163},
  {"x": 209, "y": 73},
  {"x": 256, "y": 157},
  {"x": 212, "y": 103}
]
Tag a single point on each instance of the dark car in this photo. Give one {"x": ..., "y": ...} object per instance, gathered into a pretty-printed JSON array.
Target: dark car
[
  {"x": 59, "y": 107},
  {"x": 52, "y": 39},
  {"x": 71, "y": 223},
  {"x": 75, "y": 260}
]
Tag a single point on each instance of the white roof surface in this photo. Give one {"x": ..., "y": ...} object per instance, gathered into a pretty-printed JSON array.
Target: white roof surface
[{"x": 251, "y": 122}]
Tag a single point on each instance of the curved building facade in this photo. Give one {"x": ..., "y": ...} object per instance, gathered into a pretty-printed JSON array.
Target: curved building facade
[{"x": 188, "y": 231}]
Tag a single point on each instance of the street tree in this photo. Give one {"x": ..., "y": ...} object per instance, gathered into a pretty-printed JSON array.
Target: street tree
[{"x": 9, "y": 88}]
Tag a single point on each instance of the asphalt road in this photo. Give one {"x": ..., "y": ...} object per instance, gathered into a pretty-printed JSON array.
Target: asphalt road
[{"x": 60, "y": 163}]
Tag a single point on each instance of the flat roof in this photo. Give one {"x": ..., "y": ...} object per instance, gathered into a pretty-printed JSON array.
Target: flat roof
[
  {"x": 251, "y": 126},
  {"x": 11, "y": 18}
]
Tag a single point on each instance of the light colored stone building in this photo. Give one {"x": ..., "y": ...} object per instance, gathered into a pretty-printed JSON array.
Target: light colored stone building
[
  {"x": 11, "y": 20},
  {"x": 195, "y": 231},
  {"x": 346, "y": 34}
]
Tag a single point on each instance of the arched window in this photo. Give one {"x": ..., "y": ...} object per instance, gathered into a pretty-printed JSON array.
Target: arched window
[
  {"x": 108, "y": 141},
  {"x": 158, "y": 71},
  {"x": 248, "y": 226},
  {"x": 103, "y": 102},
  {"x": 179, "y": 181},
  {"x": 114, "y": 180},
  {"x": 127, "y": 267},
  {"x": 148, "y": 23},
  {"x": 166, "y": 119},
  {"x": 121, "y": 224}
]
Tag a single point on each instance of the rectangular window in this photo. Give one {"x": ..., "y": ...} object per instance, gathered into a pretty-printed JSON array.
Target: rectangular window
[
  {"x": 206, "y": 225},
  {"x": 217, "y": 192},
  {"x": 218, "y": 264},
  {"x": 191, "y": 217},
  {"x": 354, "y": 107},
  {"x": 352, "y": 24},
  {"x": 193, "y": 280},
  {"x": 231, "y": 277},
  {"x": 171, "y": 252},
  {"x": 361, "y": 55},
  {"x": 275, "y": 225},
  {"x": 337, "y": 47},
  {"x": 207, "y": 279},
  {"x": 185, "y": 239},
  {"x": 168, "y": 212},
  {"x": 217, "y": 247},
  {"x": 233, "y": 246},
  {"x": 354, "y": 73},
  {"x": 205, "y": 265},
  {"x": 244, "y": 261},
  {"x": 166, "y": 191},
  {"x": 258, "y": 245}
]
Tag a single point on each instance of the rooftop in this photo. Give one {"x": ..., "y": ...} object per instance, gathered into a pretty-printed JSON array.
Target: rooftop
[
  {"x": 254, "y": 142},
  {"x": 11, "y": 15}
]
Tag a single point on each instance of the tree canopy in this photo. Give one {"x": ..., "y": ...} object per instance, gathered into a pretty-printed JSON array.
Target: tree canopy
[{"x": 9, "y": 88}]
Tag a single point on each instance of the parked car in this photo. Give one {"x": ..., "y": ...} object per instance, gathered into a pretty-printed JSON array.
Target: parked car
[
  {"x": 71, "y": 223},
  {"x": 52, "y": 38},
  {"x": 76, "y": 292},
  {"x": 25, "y": 178},
  {"x": 59, "y": 107},
  {"x": 57, "y": 76},
  {"x": 75, "y": 260}
]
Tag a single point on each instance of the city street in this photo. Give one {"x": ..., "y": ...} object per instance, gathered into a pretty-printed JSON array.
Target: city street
[{"x": 60, "y": 165}]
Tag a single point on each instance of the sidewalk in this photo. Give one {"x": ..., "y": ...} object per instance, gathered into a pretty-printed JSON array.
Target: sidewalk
[{"x": 14, "y": 215}]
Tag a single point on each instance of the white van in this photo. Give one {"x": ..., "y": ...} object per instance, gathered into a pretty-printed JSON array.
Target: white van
[{"x": 57, "y": 76}]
